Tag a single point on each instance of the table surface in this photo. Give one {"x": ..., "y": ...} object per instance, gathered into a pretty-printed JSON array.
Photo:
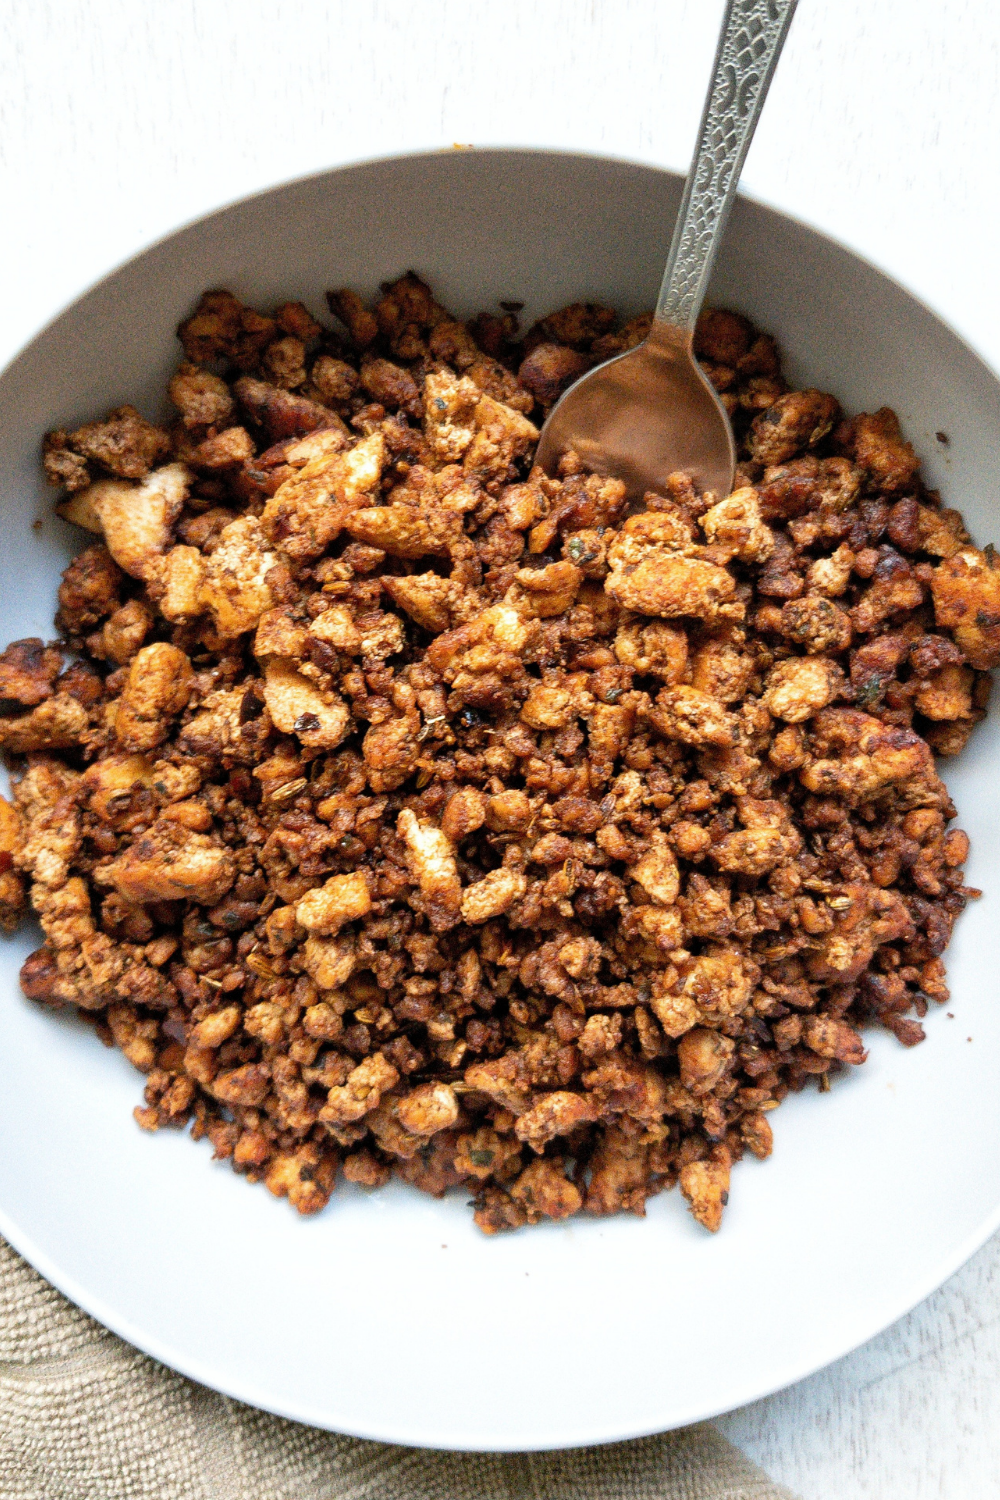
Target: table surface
[{"x": 119, "y": 121}]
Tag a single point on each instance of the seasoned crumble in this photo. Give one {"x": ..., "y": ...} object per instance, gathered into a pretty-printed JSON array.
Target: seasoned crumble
[{"x": 395, "y": 808}]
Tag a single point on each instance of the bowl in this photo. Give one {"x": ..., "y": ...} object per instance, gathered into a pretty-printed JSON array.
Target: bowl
[{"x": 389, "y": 1316}]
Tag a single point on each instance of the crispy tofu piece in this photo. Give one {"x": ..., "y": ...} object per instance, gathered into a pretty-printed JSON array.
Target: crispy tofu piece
[
  {"x": 235, "y": 588},
  {"x": 392, "y": 386},
  {"x": 871, "y": 918},
  {"x": 816, "y": 623},
  {"x": 544, "y": 1191},
  {"x": 652, "y": 573},
  {"x": 337, "y": 628},
  {"x": 222, "y": 328},
  {"x": 282, "y": 414},
  {"x": 657, "y": 872},
  {"x": 578, "y": 324},
  {"x": 215, "y": 729},
  {"x": 435, "y": 603},
  {"x": 334, "y": 379},
  {"x": 428, "y": 1109},
  {"x": 172, "y": 863},
  {"x": 285, "y": 362},
  {"x": 655, "y": 649},
  {"x": 59, "y": 723},
  {"x": 736, "y": 524},
  {"x": 464, "y": 812},
  {"x": 881, "y": 451},
  {"x": 652, "y": 531},
  {"x": 305, "y": 1176},
  {"x": 705, "y": 1185},
  {"x": 202, "y": 399},
  {"x": 549, "y": 706},
  {"x": 895, "y": 590},
  {"x": 693, "y": 717},
  {"x": 45, "y": 796},
  {"x": 502, "y": 436},
  {"x": 942, "y": 532},
  {"x": 28, "y": 670},
  {"x": 361, "y": 1093},
  {"x": 609, "y": 730},
  {"x": 722, "y": 669},
  {"x": 491, "y": 641},
  {"x": 800, "y": 686},
  {"x": 217, "y": 1028},
  {"x": 720, "y": 982},
  {"x": 222, "y": 450},
  {"x": 549, "y": 369},
  {"x": 554, "y": 1114},
  {"x": 966, "y": 592},
  {"x": 342, "y": 898},
  {"x": 855, "y": 756},
  {"x": 136, "y": 520},
  {"x": 61, "y": 466},
  {"x": 704, "y": 1057},
  {"x": 660, "y": 926},
  {"x": 449, "y": 415},
  {"x": 431, "y": 857},
  {"x": 122, "y": 633},
  {"x": 797, "y": 420},
  {"x": 406, "y": 530},
  {"x": 493, "y": 895},
  {"x": 831, "y": 575},
  {"x": 309, "y": 510},
  {"x": 391, "y": 751},
  {"x": 543, "y": 593},
  {"x": 329, "y": 961},
  {"x": 765, "y": 842},
  {"x": 278, "y": 634},
  {"x": 179, "y": 581},
  {"x": 89, "y": 590},
  {"x": 321, "y": 720},
  {"x": 670, "y": 585},
  {"x": 830, "y": 1037},
  {"x": 156, "y": 691},
  {"x": 382, "y": 637},
  {"x": 619, "y": 1173},
  {"x": 110, "y": 784},
  {"x": 495, "y": 380},
  {"x": 123, "y": 442},
  {"x": 947, "y": 694}
]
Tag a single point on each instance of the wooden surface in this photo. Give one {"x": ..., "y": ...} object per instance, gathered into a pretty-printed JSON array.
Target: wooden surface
[{"x": 120, "y": 119}]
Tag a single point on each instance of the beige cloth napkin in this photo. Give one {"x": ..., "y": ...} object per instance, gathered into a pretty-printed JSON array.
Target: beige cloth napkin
[{"x": 84, "y": 1416}]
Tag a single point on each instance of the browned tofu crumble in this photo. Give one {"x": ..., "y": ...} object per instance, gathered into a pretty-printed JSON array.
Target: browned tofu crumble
[{"x": 395, "y": 808}]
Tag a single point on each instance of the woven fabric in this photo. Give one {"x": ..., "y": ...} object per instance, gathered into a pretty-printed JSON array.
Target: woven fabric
[{"x": 84, "y": 1416}]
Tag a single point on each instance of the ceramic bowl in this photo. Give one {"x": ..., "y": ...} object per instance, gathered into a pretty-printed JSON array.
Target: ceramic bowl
[{"x": 390, "y": 1316}]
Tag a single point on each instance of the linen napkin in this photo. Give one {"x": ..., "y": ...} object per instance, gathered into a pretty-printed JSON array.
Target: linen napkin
[{"x": 84, "y": 1416}]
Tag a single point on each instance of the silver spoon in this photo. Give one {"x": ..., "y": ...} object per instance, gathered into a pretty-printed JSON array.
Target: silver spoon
[{"x": 651, "y": 411}]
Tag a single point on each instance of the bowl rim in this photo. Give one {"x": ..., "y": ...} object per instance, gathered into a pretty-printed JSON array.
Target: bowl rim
[{"x": 568, "y": 1437}]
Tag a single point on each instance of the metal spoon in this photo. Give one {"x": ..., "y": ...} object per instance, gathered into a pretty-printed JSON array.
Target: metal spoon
[{"x": 651, "y": 411}]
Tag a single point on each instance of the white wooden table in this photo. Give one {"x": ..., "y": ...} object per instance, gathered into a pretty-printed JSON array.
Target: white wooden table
[{"x": 120, "y": 119}]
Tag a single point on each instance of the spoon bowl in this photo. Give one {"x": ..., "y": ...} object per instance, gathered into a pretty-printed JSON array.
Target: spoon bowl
[
  {"x": 644, "y": 415},
  {"x": 651, "y": 412}
]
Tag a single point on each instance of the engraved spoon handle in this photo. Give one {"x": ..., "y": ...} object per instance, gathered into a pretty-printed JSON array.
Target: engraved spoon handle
[{"x": 750, "y": 42}]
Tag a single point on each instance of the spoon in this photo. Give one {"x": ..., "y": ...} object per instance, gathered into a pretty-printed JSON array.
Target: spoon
[{"x": 652, "y": 411}]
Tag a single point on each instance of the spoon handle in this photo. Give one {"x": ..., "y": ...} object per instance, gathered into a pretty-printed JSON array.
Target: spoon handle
[{"x": 750, "y": 42}]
